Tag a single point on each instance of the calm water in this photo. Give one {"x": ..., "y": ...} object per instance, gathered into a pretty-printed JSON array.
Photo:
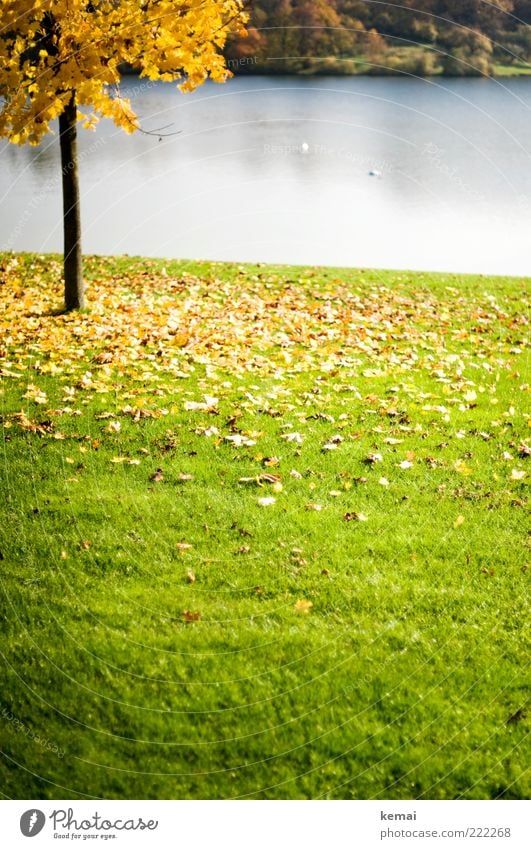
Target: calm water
[{"x": 278, "y": 169}]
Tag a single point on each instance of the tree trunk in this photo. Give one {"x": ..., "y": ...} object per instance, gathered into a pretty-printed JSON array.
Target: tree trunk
[{"x": 73, "y": 266}]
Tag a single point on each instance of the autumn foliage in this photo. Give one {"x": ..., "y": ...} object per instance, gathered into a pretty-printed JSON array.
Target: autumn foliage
[{"x": 52, "y": 49}]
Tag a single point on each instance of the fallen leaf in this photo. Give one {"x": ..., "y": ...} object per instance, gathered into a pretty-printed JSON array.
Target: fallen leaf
[
  {"x": 461, "y": 467},
  {"x": 239, "y": 440},
  {"x": 303, "y": 606},
  {"x": 270, "y": 461},
  {"x": 293, "y": 437},
  {"x": 191, "y": 615}
]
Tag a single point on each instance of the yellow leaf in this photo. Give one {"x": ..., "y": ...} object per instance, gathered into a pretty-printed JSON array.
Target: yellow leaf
[
  {"x": 303, "y": 606},
  {"x": 461, "y": 467}
]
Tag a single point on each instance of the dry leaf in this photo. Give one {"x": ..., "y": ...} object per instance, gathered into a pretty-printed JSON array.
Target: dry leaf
[
  {"x": 303, "y": 606},
  {"x": 191, "y": 615},
  {"x": 293, "y": 437},
  {"x": 461, "y": 467}
]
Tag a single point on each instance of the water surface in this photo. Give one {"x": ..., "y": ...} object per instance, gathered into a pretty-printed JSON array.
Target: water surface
[{"x": 278, "y": 169}]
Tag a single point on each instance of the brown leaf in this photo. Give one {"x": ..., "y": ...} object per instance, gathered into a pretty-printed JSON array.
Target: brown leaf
[
  {"x": 191, "y": 615},
  {"x": 270, "y": 461}
]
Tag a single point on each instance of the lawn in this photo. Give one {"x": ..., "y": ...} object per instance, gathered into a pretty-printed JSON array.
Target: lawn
[{"x": 263, "y": 533}]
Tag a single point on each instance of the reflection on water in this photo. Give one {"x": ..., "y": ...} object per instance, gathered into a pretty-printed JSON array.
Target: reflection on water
[{"x": 337, "y": 171}]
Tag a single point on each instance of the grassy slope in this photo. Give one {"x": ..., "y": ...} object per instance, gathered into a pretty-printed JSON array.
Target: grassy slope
[{"x": 406, "y": 678}]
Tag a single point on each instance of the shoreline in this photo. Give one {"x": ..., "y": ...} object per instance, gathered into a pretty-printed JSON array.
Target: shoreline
[{"x": 279, "y": 268}]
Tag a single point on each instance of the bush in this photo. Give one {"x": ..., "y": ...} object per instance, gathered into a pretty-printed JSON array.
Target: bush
[
  {"x": 418, "y": 63},
  {"x": 463, "y": 62}
]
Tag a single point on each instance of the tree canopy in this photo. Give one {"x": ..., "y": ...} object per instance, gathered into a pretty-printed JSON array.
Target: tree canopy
[
  {"x": 52, "y": 48},
  {"x": 415, "y": 36}
]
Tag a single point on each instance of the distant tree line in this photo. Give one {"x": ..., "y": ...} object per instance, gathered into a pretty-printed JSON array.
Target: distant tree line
[{"x": 423, "y": 37}]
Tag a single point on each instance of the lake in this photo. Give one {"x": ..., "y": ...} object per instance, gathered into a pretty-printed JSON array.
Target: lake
[{"x": 354, "y": 171}]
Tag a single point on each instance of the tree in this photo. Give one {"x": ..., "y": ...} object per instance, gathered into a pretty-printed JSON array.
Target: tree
[{"x": 60, "y": 56}]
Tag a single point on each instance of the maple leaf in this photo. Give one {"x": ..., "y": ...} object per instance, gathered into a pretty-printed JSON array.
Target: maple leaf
[{"x": 303, "y": 606}]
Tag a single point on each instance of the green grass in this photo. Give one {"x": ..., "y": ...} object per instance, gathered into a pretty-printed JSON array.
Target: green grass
[
  {"x": 406, "y": 678},
  {"x": 515, "y": 69}
]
